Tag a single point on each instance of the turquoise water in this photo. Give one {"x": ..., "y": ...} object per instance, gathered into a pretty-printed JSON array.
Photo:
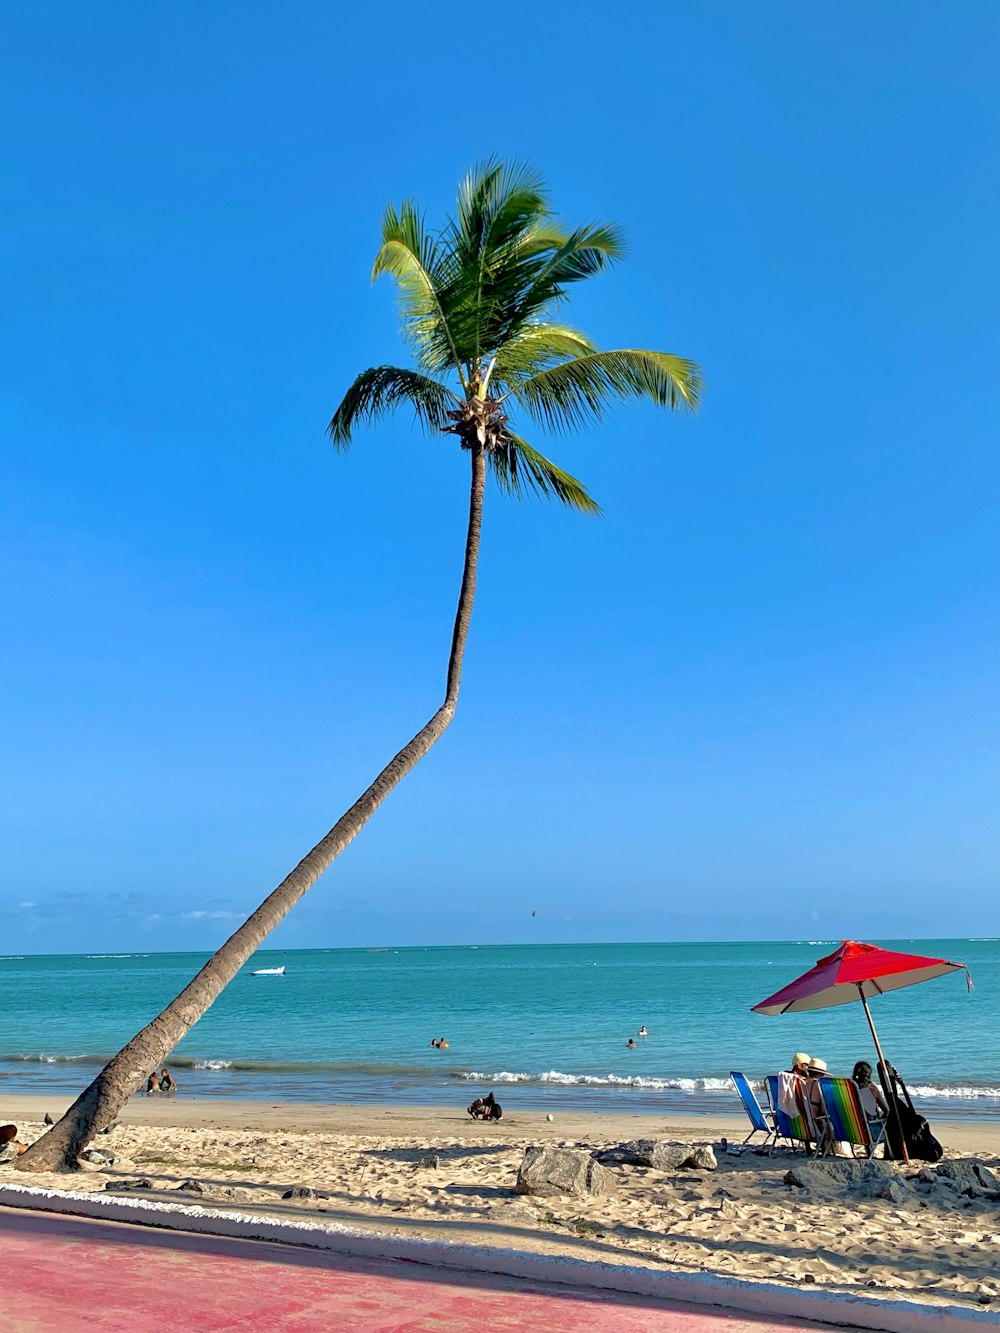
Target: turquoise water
[{"x": 543, "y": 1025}]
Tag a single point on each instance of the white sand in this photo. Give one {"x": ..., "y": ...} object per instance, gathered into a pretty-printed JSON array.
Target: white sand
[{"x": 365, "y": 1159}]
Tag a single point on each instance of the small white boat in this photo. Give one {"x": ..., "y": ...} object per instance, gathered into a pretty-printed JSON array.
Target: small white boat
[{"x": 268, "y": 972}]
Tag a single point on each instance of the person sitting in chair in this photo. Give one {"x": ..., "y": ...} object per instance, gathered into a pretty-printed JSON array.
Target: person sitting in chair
[
  {"x": 816, "y": 1111},
  {"x": 873, "y": 1102},
  {"x": 791, "y": 1085}
]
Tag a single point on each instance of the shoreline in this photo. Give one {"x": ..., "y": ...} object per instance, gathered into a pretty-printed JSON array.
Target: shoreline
[{"x": 184, "y": 1112}]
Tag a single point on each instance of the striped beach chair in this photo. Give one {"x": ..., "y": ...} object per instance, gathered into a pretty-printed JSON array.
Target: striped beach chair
[
  {"x": 846, "y": 1118},
  {"x": 790, "y": 1127}
]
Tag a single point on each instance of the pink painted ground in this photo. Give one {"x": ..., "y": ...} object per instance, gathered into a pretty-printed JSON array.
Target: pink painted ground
[{"x": 60, "y": 1274}]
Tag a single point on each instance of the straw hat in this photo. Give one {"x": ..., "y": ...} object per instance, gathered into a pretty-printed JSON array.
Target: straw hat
[
  {"x": 799, "y": 1058},
  {"x": 817, "y": 1066}
]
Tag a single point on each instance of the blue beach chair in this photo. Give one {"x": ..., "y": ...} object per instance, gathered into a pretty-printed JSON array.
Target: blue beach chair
[{"x": 758, "y": 1116}]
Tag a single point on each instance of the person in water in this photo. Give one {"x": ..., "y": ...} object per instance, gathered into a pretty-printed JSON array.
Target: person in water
[
  {"x": 442, "y": 1045},
  {"x": 153, "y": 1084},
  {"x": 642, "y": 1032},
  {"x": 631, "y": 1043},
  {"x": 167, "y": 1081}
]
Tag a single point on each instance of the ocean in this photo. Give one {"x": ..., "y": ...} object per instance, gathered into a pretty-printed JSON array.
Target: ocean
[{"x": 544, "y": 1026}]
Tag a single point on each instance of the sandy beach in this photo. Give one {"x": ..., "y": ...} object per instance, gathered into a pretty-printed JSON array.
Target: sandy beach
[{"x": 366, "y": 1166}]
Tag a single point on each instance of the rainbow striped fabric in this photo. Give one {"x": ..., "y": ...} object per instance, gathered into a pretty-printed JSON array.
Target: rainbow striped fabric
[{"x": 848, "y": 1122}]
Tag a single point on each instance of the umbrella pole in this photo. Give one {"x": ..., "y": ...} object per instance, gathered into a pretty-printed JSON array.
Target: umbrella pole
[{"x": 884, "y": 1077}]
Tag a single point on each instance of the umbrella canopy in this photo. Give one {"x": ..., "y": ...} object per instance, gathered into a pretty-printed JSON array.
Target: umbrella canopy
[{"x": 855, "y": 971}]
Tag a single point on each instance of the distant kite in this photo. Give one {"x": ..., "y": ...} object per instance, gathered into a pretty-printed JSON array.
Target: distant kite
[{"x": 533, "y": 912}]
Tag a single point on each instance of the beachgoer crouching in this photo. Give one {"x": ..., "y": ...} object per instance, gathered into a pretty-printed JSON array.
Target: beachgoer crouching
[{"x": 10, "y": 1147}]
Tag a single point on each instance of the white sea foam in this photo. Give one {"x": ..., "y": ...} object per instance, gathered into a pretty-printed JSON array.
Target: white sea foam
[
  {"x": 965, "y": 1092},
  {"x": 600, "y": 1080},
  {"x": 956, "y": 1092},
  {"x": 212, "y": 1064}
]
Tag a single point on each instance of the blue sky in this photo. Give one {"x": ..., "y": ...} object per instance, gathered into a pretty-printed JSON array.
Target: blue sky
[{"x": 758, "y": 698}]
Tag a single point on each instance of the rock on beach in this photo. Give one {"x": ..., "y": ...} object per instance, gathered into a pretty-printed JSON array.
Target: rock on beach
[
  {"x": 661, "y": 1155},
  {"x": 554, "y": 1171}
]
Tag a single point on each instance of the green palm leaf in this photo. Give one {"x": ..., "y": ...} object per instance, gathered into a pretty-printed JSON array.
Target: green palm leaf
[
  {"x": 377, "y": 391},
  {"x": 533, "y": 348},
  {"x": 420, "y": 266},
  {"x": 579, "y": 391},
  {"x": 520, "y": 469}
]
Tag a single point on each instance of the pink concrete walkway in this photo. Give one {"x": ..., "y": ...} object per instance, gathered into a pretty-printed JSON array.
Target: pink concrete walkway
[{"x": 60, "y": 1274}]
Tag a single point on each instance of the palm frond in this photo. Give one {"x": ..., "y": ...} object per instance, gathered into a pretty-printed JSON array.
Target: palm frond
[
  {"x": 543, "y": 261},
  {"x": 416, "y": 260},
  {"x": 533, "y": 348},
  {"x": 581, "y": 390},
  {"x": 377, "y": 391},
  {"x": 520, "y": 469},
  {"x": 498, "y": 204}
]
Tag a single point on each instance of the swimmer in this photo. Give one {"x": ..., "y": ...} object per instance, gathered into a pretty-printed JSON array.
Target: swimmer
[
  {"x": 642, "y": 1032},
  {"x": 631, "y": 1043},
  {"x": 442, "y": 1045}
]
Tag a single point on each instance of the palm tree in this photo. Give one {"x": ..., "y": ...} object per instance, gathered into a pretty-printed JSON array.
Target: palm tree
[{"x": 478, "y": 302}]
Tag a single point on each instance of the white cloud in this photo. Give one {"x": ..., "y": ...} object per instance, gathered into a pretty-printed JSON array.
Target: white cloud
[
  {"x": 26, "y": 906},
  {"x": 201, "y": 915}
]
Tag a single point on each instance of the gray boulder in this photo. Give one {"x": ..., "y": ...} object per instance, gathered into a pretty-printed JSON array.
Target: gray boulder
[
  {"x": 300, "y": 1192},
  {"x": 98, "y": 1157},
  {"x": 703, "y": 1159},
  {"x": 660, "y": 1154},
  {"x": 119, "y": 1186},
  {"x": 554, "y": 1171},
  {"x": 970, "y": 1177},
  {"x": 430, "y": 1162},
  {"x": 863, "y": 1179},
  {"x": 192, "y": 1186}
]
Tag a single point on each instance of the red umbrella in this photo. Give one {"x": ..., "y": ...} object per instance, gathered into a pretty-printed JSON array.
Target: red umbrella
[{"x": 856, "y": 972}]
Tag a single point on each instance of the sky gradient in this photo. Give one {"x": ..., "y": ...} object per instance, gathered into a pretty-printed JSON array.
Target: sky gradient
[{"x": 758, "y": 698}]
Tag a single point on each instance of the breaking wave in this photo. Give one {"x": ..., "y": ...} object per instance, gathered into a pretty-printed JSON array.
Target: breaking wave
[{"x": 949, "y": 1091}]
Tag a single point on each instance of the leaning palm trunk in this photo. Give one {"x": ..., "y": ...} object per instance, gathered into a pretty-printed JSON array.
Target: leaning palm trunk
[
  {"x": 477, "y": 301},
  {"x": 99, "y": 1104}
]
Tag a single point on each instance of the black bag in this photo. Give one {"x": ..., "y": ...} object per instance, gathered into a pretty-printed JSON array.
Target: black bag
[{"x": 920, "y": 1142}]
